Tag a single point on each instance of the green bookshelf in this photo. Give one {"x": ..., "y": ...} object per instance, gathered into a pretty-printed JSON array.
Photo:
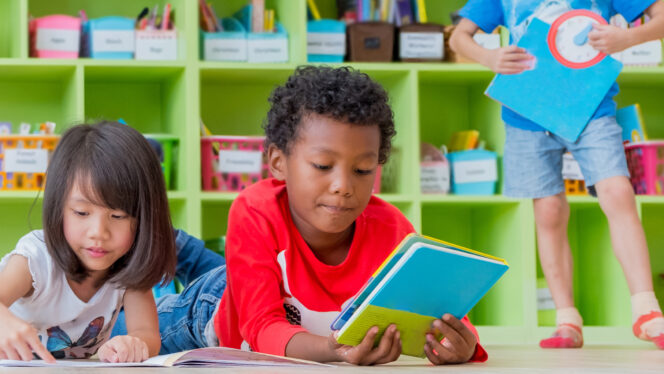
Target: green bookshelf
[{"x": 430, "y": 101}]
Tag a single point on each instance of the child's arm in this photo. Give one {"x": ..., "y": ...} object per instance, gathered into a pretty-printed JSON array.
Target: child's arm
[
  {"x": 505, "y": 60},
  {"x": 611, "y": 39},
  {"x": 318, "y": 348},
  {"x": 142, "y": 340},
  {"x": 18, "y": 339}
]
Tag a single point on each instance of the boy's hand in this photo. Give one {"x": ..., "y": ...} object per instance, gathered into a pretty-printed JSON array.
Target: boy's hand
[
  {"x": 457, "y": 347},
  {"x": 608, "y": 39},
  {"x": 509, "y": 60},
  {"x": 388, "y": 350},
  {"x": 124, "y": 348},
  {"x": 19, "y": 339}
]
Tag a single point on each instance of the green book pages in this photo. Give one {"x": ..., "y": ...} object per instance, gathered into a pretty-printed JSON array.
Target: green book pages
[{"x": 421, "y": 281}]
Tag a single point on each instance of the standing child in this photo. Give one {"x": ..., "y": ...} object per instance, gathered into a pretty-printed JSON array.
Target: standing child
[
  {"x": 106, "y": 240},
  {"x": 533, "y": 157}
]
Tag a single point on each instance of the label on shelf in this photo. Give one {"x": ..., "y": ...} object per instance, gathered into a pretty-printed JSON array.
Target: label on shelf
[
  {"x": 23, "y": 160},
  {"x": 435, "y": 177},
  {"x": 156, "y": 45},
  {"x": 58, "y": 40},
  {"x": 648, "y": 53},
  {"x": 113, "y": 40},
  {"x": 571, "y": 169},
  {"x": 326, "y": 43},
  {"x": 267, "y": 50},
  {"x": 475, "y": 171},
  {"x": 249, "y": 162},
  {"x": 544, "y": 299},
  {"x": 421, "y": 45},
  {"x": 220, "y": 49}
]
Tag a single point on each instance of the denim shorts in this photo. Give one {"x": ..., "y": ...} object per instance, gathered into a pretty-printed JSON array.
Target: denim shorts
[{"x": 532, "y": 161}]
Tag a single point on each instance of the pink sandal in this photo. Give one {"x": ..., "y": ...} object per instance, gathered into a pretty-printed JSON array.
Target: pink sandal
[
  {"x": 636, "y": 328},
  {"x": 558, "y": 341}
]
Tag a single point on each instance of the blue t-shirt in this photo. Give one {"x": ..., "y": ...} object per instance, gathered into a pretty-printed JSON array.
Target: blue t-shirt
[{"x": 516, "y": 16}]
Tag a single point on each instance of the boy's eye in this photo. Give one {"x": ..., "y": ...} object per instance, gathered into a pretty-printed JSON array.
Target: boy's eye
[
  {"x": 363, "y": 171},
  {"x": 321, "y": 167}
]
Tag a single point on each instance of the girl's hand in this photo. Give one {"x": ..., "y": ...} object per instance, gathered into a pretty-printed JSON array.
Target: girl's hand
[
  {"x": 388, "y": 350},
  {"x": 457, "y": 347},
  {"x": 19, "y": 339},
  {"x": 608, "y": 39},
  {"x": 509, "y": 60},
  {"x": 123, "y": 348}
]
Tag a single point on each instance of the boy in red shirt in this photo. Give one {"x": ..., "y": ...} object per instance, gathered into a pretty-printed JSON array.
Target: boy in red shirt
[{"x": 300, "y": 245}]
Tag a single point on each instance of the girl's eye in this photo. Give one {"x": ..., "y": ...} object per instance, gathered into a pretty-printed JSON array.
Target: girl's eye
[
  {"x": 363, "y": 171},
  {"x": 119, "y": 216},
  {"x": 80, "y": 213},
  {"x": 321, "y": 167}
]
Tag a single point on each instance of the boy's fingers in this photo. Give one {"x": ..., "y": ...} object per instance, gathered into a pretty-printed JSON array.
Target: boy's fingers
[
  {"x": 366, "y": 345},
  {"x": 395, "y": 351},
  {"x": 383, "y": 348},
  {"x": 434, "y": 358},
  {"x": 460, "y": 327},
  {"x": 40, "y": 350},
  {"x": 444, "y": 354},
  {"x": 455, "y": 343}
]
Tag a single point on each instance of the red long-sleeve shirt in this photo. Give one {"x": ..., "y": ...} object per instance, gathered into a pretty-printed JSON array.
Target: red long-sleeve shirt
[{"x": 276, "y": 285}]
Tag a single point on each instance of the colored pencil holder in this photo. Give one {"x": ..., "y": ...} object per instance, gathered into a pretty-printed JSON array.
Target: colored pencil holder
[{"x": 156, "y": 44}]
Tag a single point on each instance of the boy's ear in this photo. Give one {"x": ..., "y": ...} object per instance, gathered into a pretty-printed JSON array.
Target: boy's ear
[{"x": 276, "y": 159}]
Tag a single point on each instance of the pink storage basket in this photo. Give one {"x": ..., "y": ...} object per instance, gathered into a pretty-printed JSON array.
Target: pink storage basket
[
  {"x": 55, "y": 36},
  {"x": 232, "y": 163},
  {"x": 646, "y": 166}
]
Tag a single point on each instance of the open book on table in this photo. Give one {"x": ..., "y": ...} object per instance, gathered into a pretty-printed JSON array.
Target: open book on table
[
  {"x": 202, "y": 357},
  {"x": 420, "y": 281}
]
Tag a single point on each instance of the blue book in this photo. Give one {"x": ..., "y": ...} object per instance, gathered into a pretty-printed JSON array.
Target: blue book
[
  {"x": 558, "y": 98},
  {"x": 419, "y": 282}
]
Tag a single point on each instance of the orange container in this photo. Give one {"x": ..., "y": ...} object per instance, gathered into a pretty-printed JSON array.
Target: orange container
[{"x": 23, "y": 160}]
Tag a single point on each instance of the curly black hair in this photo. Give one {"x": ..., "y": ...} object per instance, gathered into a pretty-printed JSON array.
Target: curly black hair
[{"x": 343, "y": 94}]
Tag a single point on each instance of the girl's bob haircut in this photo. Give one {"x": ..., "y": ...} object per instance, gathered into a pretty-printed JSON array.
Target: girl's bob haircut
[{"x": 115, "y": 167}]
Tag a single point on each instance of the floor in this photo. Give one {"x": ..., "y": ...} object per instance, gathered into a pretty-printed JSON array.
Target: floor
[{"x": 502, "y": 359}]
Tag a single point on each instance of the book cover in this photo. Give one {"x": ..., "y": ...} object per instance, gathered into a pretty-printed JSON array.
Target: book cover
[
  {"x": 558, "y": 98},
  {"x": 402, "y": 291},
  {"x": 631, "y": 121},
  {"x": 404, "y": 12}
]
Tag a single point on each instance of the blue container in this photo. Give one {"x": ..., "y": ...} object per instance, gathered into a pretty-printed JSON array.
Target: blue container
[
  {"x": 474, "y": 172},
  {"x": 228, "y": 45},
  {"x": 110, "y": 37},
  {"x": 326, "y": 41}
]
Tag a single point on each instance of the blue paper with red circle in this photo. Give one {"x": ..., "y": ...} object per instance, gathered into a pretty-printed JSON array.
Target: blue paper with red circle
[{"x": 558, "y": 98}]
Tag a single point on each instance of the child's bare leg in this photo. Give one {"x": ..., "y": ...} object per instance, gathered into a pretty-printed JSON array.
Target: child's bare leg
[
  {"x": 616, "y": 197},
  {"x": 551, "y": 218}
]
